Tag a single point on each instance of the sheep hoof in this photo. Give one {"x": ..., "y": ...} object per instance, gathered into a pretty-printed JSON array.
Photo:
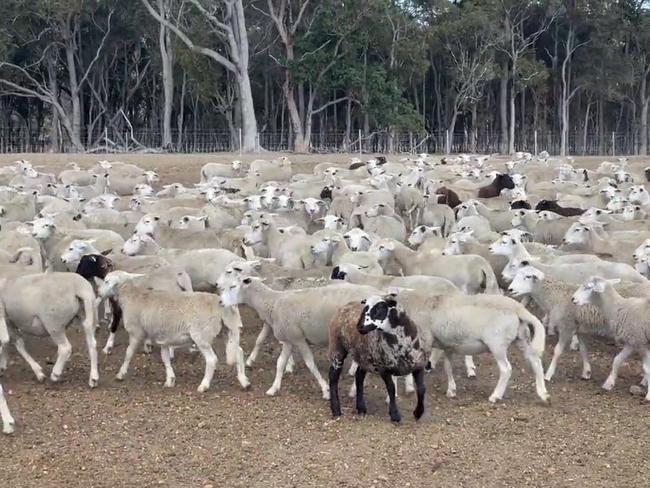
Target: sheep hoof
[
  {"x": 418, "y": 413},
  {"x": 93, "y": 382},
  {"x": 245, "y": 384},
  {"x": 586, "y": 375},
  {"x": 608, "y": 385},
  {"x": 271, "y": 392},
  {"x": 107, "y": 350},
  {"x": 54, "y": 378},
  {"x": 249, "y": 362},
  {"x": 40, "y": 377},
  {"x": 471, "y": 374},
  {"x": 395, "y": 417},
  {"x": 451, "y": 393},
  {"x": 170, "y": 382},
  {"x": 148, "y": 348},
  {"x": 548, "y": 377},
  {"x": 9, "y": 428},
  {"x": 119, "y": 376},
  {"x": 202, "y": 388},
  {"x": 494, "y": 398},
  {"x": 326, "y": 394}
]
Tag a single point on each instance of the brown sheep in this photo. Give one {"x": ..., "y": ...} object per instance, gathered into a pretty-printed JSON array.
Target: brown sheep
[{"x": 380, "y": 337}]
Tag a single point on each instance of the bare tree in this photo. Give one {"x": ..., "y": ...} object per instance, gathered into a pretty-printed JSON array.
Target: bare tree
[
  {"x": 517, "y": 42},
  {"x": 229, "y": 25}
]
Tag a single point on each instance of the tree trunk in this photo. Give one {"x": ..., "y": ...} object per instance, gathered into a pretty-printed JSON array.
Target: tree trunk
[
  {"x": 643, "y": 116},
  {"x": 513, "y": 114},
  {"x": 180, "y": 121},
  {"x": 586, "y": 127},
  {"x": 167, "y": 56},
  {"x": 503, "y": 109}
]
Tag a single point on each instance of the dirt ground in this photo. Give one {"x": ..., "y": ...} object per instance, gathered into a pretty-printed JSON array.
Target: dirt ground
[{"x": 138, "y": 433}]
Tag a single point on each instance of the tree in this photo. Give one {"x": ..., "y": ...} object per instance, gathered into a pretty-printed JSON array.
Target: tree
[{"x": 227, "y": 23}]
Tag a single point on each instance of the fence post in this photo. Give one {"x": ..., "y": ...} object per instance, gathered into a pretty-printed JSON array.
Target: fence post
[
  {"x": 535, "y": 135},
  {"x": 613, "y": 144},
  {"x": 411, "y": 140},
  {"x": 240, "y": 141},
  {"x": 360, "y": 149}
]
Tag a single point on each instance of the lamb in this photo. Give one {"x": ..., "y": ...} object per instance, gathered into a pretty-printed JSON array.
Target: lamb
[
  {"x": 380, "y": 337},
  {"x": 165, "y": 278},
  {"x": 294, "y": 318},
  {"x": 470, "y": 273},
  {"x": 175, "y": 319},
  {"x": 554, "y": 298},
  {"x": 626, "y": 317},
  {"x": 30, "y": 309},
  {"x": 336, "y": 247},
  {"x": 471, "y": 325}
]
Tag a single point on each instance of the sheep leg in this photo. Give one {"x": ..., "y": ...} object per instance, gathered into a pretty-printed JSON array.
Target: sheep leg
[
  {"x": 210, "y": 364},
  {"x": 235, "y": 354},
  {"x": 418, "y": 378},
  {"x": 4, "y": 360},
  {"x": 409, "y": 387},
  {"x": 336, "y": 367},
  {"x": 535, "y": 363},
  {"x": 586, "y": 366},
  {"x": 359, "y": 379},
  {"x": 563, "y": 341},
  {"x": 115, "y": 321},
  {"x": 148, "y": 346},
  {"x": 575, "y": 343},
  {"x": 505, "y": 371},
  {"x": 64, "y": 351},
  {"x": 470, "y": 367},
  {"x": 353, "y": 368},
  {"x": 451, "y": 383},
  {"x": 291, "y": 364},
  {"x": 308, "y": 357},
  {"x": 134, "y": 343},
  {"x": 645, "y": 361},
  {"x": 170, "y": 377},
  {"x": 7, "y": 420},
  {"x": 436, "y": 354},
  {"x": 259, "y": 340},
  {"x": 392, "y": 405},
  {"x": 620, "y": 358},
  {"x": 88, "y": 325},
  {"x": 36, "y": 368},
  {"x": 279, "y": 368}
]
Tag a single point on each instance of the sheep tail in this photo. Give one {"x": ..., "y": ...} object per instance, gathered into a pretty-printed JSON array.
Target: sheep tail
[
  {"x": 489, "y": 284},
  {"x": 535, "y": 332}
]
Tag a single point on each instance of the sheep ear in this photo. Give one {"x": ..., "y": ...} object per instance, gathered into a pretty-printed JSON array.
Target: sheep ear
[{"x": 363, "y": 302}]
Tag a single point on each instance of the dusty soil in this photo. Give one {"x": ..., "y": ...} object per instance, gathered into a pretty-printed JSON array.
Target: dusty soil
[{"x": 138, "y": 433}]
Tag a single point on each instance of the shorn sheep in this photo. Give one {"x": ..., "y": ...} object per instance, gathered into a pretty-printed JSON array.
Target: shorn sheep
[
  {"x": 29, "y": 309},
  {"x": 380, "y": 337},
  {"x": 175, "y": 319},
  {"x": 627, "y": 319}
]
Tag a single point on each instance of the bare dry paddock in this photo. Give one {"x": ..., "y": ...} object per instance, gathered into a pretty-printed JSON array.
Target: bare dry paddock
[{"x": 137, "y": 433}]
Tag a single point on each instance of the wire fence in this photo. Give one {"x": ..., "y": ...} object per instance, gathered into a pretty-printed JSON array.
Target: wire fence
[{"x": 22, "y": 140}]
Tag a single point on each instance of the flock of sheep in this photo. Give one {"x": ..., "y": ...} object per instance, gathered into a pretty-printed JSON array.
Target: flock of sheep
[{"x": 395, "y": 263}]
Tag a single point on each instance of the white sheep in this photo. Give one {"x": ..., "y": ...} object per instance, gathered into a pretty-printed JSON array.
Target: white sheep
[
  {"x": 29, "y": 308},
  {"x": 296, "y": 317},
  {"x": 627, "y": 319},
  {"x": 175, "y": 319}
]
